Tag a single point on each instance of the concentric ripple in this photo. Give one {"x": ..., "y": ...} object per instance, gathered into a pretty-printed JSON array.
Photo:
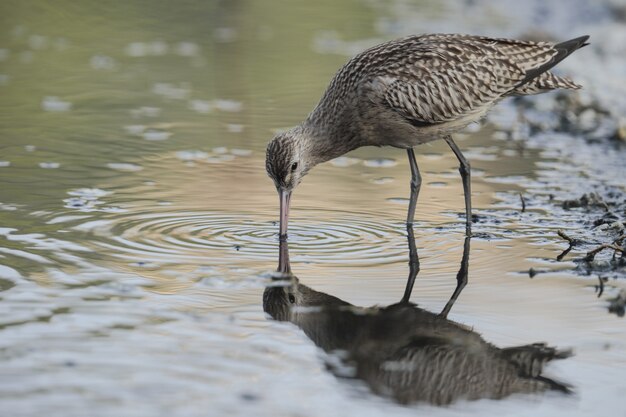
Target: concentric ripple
[{"x": 175, "y": 237}]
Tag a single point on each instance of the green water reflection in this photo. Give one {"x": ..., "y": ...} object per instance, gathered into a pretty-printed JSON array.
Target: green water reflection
[{"x": 136, "y": 218}]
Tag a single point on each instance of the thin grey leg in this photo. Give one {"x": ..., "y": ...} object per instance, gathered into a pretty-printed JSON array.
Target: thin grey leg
[
  {"x": 416, "y": 183},
  {"x": 461, "y": 279},
  {"x": 414, "y": 264},
  {"x": 464, "y": 169}
]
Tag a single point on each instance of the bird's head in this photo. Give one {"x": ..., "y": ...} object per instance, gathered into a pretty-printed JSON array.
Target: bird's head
[
  {"x": 286, "y": 159},
  {"x": 287, "y": 163}
]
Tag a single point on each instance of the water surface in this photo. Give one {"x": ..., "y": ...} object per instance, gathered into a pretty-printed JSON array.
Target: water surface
[{"x": 138, "y": 226}]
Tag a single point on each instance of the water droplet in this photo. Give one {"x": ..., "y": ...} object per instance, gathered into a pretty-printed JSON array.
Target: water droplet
[
  {"x": 49, "y": 165},
  {"x": 65, "y": 219},
  {"x": 81, "y": 203},
  {"x": 187, "y": 49},
  {"x": 5, "y": 164},
  {"x": 398, "y": 200},
  {"x": 171, "y": 91},
  {"x": 383, "y": 180},
  {"x": 89, "y": 193},
  {"x": 241, "y": 152},
  {"x": 228, "y": 105},
  {"x": 225, "y": 34},
  {"x": 37, "y": 42},
  {"x": 87, "y": 199},
  {"x": 234, "y": 128},
  {"x": 344, "y": 161},
  {"x": 201, "y": 106},
  {"x": 126, "y": 167},
  {"x": 54, "y": 104},
  {"x": 220, "y": 158},
  {"x": 136, "y": 49},
  {"x": 380, "y": 163},
  {"x": 102, "y": 62},
  {"x": 220, "y": 150},
  {"x": 7, "y": 207},
  {"x": 156, "y": 134},
  {"x": 191, "y": 155},
  {"x": 146, "y": 111},
  {"x": 135, "y": 130}
]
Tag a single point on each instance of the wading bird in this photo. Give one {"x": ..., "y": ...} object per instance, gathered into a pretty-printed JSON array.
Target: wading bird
[{"x": 410, "y": 91}]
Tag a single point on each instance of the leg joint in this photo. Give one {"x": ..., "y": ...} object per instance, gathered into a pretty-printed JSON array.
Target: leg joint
[{"x": 465, "y": 168}]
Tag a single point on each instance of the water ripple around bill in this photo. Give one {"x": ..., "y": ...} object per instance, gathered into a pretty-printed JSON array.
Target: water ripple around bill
[{"x": 174, "y": 237}]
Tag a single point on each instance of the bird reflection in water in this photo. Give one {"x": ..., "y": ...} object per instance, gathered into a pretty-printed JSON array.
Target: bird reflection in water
[{"x": 407, "y": 353}]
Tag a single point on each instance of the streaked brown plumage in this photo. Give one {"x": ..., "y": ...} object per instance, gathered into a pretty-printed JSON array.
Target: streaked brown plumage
[
  {"x": 411, "y": 91},
  {"x": 409, "y": 354},
  {"x": 405, "y": 352}
]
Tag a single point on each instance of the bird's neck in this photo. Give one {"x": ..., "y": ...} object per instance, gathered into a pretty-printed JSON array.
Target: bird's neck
[{"x": 324, "y": 143}]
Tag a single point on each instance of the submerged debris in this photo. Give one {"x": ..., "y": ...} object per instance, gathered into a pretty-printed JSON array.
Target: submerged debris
[
  {"x": 572, "y": 241},
  {"x": 601, "y": 234},
  {"x": 618, "y": 304},
  {"x": 586, "y": 200},
  {"x": 615, "y": 246},
  {"x": 603, "y": 222}
]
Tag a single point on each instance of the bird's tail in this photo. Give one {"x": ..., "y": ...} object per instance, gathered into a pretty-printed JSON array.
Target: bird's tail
[
  {"x": 530, "y": 359},
  {"x": 563, "y": 50},
  {"x": 543, "y": 83}
]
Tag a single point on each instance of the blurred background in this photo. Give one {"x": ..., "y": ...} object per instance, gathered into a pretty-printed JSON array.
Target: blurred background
[{"x": 138, "y": 226}]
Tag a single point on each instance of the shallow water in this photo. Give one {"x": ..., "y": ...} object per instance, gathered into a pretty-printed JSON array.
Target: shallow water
[{"x": 138, "y": 226}]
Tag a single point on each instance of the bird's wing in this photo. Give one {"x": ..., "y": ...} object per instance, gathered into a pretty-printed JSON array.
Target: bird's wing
[{"x": 451, "y": 78}]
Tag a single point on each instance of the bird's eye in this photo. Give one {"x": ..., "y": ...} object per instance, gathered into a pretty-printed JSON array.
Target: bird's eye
[
  {"x": 294, "y": 166},
  {"x": 292, "y": 299}
]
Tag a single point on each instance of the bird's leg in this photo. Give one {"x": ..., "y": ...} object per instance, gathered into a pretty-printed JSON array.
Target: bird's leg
[
  {"x": 414, "y": 264},
  {"x": 464, "y": 169},
  {"x": 416, "y": 183},
  {"x": 461, "y": 278}
]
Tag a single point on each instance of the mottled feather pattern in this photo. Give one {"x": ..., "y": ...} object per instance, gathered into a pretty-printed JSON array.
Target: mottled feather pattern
[
  {"x": 415, "y": 90},
  {"x": 544, "y": 82},
  {"x": 279, "y": 155},
  {"x": 439, "y": 78},
  {"x": 530, "y": 359},
  {"x": 410, "y": 354}
]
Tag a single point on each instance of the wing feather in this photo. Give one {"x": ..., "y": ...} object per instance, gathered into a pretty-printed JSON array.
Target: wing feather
[{"x": 441, "y": 79}]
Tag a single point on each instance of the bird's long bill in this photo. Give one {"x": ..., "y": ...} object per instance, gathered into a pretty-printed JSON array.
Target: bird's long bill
[
  {"x": 283, "y": 258},
  {"x": 285, "y": 197}
]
